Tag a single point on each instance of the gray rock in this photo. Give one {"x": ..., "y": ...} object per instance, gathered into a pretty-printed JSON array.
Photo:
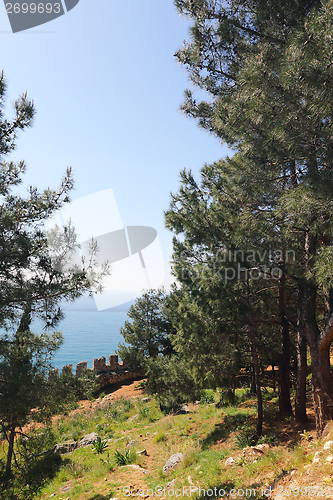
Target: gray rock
[
  {"x": 88, "y": 439},
  {"x": 230, "y": 461},
  {"x": 173, "y": 461},
  {"x": 133, "y": 418},
  {"x": 145, "y": 400},
  {"x": 142, "y": 452},
  {"x": 328, "y": 445},
  {"x": 184, "y": 409},
  {"x": 119, "y": 439},
  {"x": 67, "y": 447},
  {"x": 130, "y": 443}
]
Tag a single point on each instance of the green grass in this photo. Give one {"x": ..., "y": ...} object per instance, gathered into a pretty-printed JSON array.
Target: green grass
[{"x": 207, "y": 436}]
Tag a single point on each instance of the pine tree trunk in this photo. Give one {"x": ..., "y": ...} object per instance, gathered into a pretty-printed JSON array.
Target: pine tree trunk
[
  {"x": 322, "y": 393},
  {"x": 10, "y": 452},
  {"x": 253, "y": 387},
  {"x": 300, "y": 399},
  {"x": 260, "y": 416},
  {"x": 319, "y": 344},
  {"x": 273, "y": 377},
  {"x": 284, "y": 375}
]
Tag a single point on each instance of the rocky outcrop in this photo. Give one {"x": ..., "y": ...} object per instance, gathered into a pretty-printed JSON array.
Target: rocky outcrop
[
  {"x": 66, "y": 447},
  {"x": 173, "y": 461},
  {"x": 88, "y": 439}
]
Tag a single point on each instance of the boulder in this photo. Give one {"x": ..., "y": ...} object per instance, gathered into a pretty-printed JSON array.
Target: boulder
[
  {"x": 328, "y": 445},
  {"x": 184, "y": 409},
  {"x": 230, "y": 461},
  {"x": 173, "y": 461},
  {"x": 130, "y": 443},
  {"x": 66, "y": 447},
  {"x": 88, "y": 439}
]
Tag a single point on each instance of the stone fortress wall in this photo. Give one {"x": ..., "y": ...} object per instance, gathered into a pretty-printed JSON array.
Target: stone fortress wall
[{"x": 108, "y": 374}]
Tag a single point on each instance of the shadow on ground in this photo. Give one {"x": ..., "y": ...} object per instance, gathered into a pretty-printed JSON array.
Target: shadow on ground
[{"x": 223, "y": 430}]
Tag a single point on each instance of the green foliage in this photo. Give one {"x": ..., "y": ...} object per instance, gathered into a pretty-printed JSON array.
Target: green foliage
[
  {"x": 99, "y": 446},
  {"x": 108, "y": 462},
  {"x": 170, "y": 380},
  {"x": 148, "y": 334},
  {"x": 124, "y": 458},
  {"x": 127, "y": 405},
  {"x": 73, "y": 388},
  {"x": 245, "y": 437},
  {"x": 144, "y": 411},
  {"x": 36, "y": 275},
  {"x": 160, "y": 436},
  {"x": 207, "y": 397}
]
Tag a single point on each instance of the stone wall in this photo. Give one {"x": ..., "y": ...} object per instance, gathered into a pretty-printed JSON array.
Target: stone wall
[{"x": 111, "y": 373}]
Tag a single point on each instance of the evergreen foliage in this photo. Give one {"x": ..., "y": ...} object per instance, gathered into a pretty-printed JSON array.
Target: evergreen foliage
[
  {"x": 266, "y": 71},
  {"x": 33, "y": 283},
  {"x": 148, "y": 334}
]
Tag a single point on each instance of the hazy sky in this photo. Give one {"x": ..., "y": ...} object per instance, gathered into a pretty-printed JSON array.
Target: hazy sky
[{"x": 107, "y": 90}]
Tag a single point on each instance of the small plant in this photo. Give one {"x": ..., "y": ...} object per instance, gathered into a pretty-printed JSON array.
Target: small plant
[
  {"x": 207, "y": 397},
  {"x": 123, "y": 458},
  {"x": 144, "y": 411},
  {"x": 268, "y": 439},
  {"x": 109, "y": 433},
  {"x": 140, "y": 386},
  {"x": 115, "y": 414},
  {"x": 245, "y": 438},
  {"x": 75, "y": 435},
  {"x": 306, "y": 436},
  {"x": 241, "y": 461},
  {"x": 108, "y": 462},
  {"x": 99, "y": 445},
  {"x": 100, "y": 428},
  {"x": 160, "y": 436},
  {"x": 128, "y": 405}
]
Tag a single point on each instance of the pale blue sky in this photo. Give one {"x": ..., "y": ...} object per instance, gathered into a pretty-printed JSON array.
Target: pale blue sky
[{"x": 107, "y": 90}]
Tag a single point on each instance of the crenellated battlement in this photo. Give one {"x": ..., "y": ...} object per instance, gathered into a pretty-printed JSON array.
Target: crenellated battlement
[
  {"x": 99, "y": 366},
  {"x": 110, "y": 373}
]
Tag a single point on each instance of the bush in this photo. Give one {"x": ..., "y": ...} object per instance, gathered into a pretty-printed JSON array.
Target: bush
[
  {"x": 124, "y": 458},
  {"x": 245, "y": 437},
  {"x": 99, "y": 445},
  {"x": 207, "y": 397}
]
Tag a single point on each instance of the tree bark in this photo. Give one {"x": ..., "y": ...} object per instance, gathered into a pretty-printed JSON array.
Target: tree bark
[
  {"x": 273, "y": 378},
  {"x": 284, "y": 375},
  {"x": 300, "y": 398},
  {"x": 319, "y": 344},
  {"x": 255, "y": 358},
  {"x": 253, "y": 387},
  {"x": 10, "y": 451}
]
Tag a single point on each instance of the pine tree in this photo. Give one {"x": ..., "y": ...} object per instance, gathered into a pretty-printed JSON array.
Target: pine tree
[
  {"x": 267, "y": 70},
  {"x": 148, "y": 333},
  {"x": 31, "y": 284},
  {"x": 224, "y": 262}
]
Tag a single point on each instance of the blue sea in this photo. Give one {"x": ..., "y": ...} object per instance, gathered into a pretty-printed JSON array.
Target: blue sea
[{"x": 87, "y": 335}]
